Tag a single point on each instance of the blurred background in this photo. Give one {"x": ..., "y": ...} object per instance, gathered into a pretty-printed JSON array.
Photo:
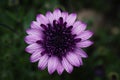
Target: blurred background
[{"x": 102, "y": 17}]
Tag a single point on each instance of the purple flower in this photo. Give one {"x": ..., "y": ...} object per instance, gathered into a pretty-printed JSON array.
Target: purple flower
[{"x": 55, "y": 41}]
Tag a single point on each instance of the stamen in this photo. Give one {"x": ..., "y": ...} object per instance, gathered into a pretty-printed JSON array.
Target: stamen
[
  {"x": 54, "y": 23},
  {"x": 39, "y": 42},
  {"x": 61, "y": 21},
  {"x": 43, "y": 26},
  {"x": 49, "y": 26},
  {"x": 70, "y": 27},
  {"x": 77, "y": 39},
  {"x": 58, "y": 38}
]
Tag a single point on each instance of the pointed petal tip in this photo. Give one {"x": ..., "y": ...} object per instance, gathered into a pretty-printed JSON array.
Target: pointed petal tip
[
  {"x": 74, "y": 14},
  {"x": 57, "y": 14},
  {"x": 31, "y": 60},
  {"x": 85, "y": 43},
  {"x": 28, "y": 50},
  {"x": 42, "y": 64},
  {"x": 73, "y": 59},
  {"x": 25, "y": 40},
  {"x": 57, "y": 9},
  {"x": 90, "y": 32},
  {"x": 50, "y": 72},
  {"x": 60, "y": 73},
  {"x": 91, "y": 43},
  {"x": 38, "y": 15},
  {"x": 40, "y": 68},
  {"x": 52, "y": 64},
  {"x": 42, "y": 19},
  {"x": 85, "y": 35},
  {"x": 48, "y": 13},
  {"x": 70, "y": 71},
  {"x": 71, "y": 19},
  {"x": 68, "y": 67}
]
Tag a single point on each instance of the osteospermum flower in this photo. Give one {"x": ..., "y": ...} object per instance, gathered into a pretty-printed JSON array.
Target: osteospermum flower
[{"x": 56, "y": 41}]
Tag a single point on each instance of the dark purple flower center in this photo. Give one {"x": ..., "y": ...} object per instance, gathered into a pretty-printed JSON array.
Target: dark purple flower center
[{"x": 58, "y": 39}]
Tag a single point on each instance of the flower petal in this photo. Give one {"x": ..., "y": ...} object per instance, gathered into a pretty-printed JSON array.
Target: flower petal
[
  {"x": 35, "y": 25},
  {"x": 85, "y": 35},
  {"x": 78, "y": 27},
  {"x": 71, "y": 19},
  {"x": 31, "y": 39},
  {"x": 42, "y": 19},
  {"x": 36, "y": 55},
  {"x": 81, "y": 53},
  {"x": 64, "y": 15},
  {"x": 84, "y": 44},
  {"x": 32, "y": 48},
  {"x": 73, "y": 59},
  {"x": 42, "y": 64},
  {"x": 68, "y": 67},
  {"x": 80, "y": 59},
  {"x": 50, "y": 17},
  {"x": 60, "y": 68},
  {"x": 34, "y": 32},
  {"x": 52, "y": 64},
  {"x": 57, "y": 14}
]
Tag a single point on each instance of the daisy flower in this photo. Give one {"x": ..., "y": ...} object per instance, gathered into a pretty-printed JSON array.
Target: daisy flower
[{"x": 56, "y": 41}]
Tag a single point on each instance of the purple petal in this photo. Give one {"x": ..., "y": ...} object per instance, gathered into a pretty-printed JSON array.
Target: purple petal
[
  {"x": 81, "y": 53},
  {"x": 36, "y": 55},
  {"x": 42, "y": 19},
  {"x": 35, "y": 25},
  {"x": 68, "y": 67},
  {"x": 85, "y": 35},
  {"x": 50, "y": 17},
  {"x": 84, "y": 44},
  {"x": 64, "y": 15},
  {"x": 57, "y": 14},
  {"x": 32, "y": 48},
  {"x": 42, "y": 64},
  {"x": 34, "y": 32},
  {"x": 52, "y": 64},
  {"x": 71, "y": 19},
  {"x": 73, "y": 59},
  {"x": 80, "y": 60},
  {"x": 78, "y": 27},
  {"x": 32, "y": 39},
  {"x": 60, "y": 68}
]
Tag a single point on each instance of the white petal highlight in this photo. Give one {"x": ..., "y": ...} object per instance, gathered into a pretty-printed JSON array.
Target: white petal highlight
[
  {"x": 68, "y": 67},
  {"x": 52, "y": 64}
]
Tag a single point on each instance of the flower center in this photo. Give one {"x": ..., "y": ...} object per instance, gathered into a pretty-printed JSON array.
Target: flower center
[{"x": 58, "y": 39}]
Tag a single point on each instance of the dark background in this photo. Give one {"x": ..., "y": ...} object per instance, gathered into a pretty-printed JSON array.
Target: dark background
[{"x": 102, "y": 17}]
